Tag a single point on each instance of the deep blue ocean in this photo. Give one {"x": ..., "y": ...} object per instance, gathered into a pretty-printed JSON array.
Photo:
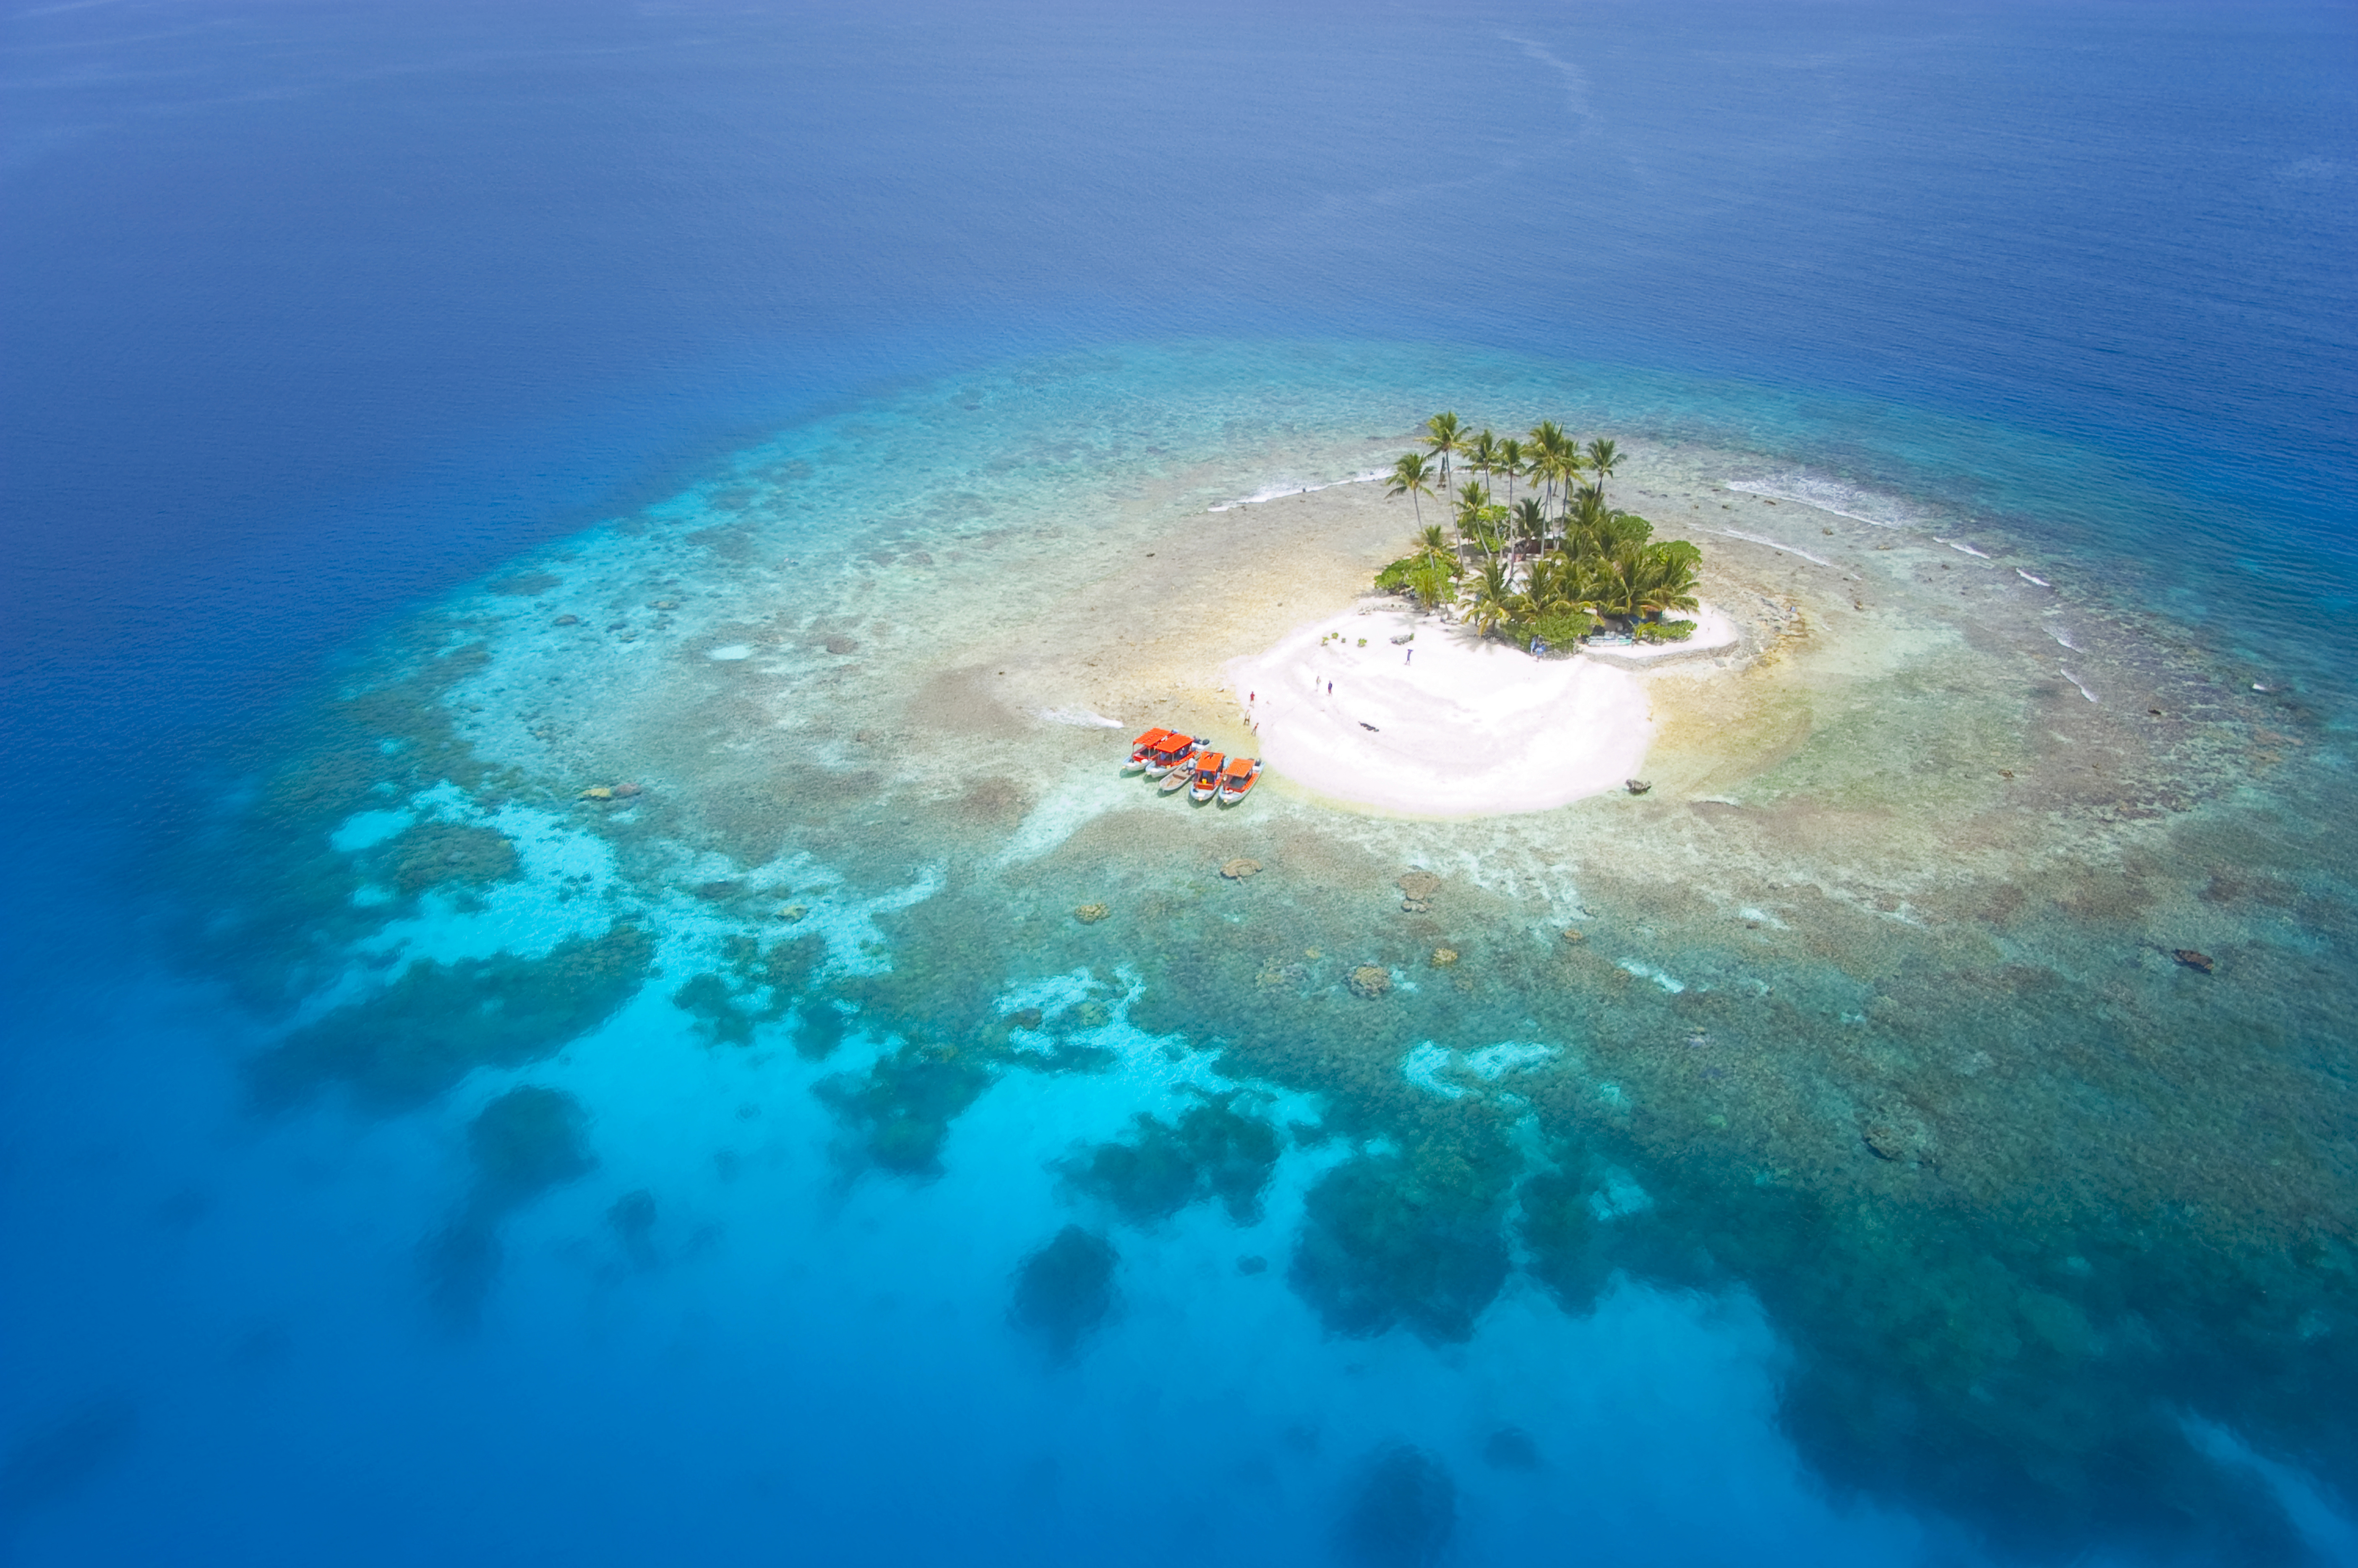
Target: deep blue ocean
[{"x": 316, "y": 316}]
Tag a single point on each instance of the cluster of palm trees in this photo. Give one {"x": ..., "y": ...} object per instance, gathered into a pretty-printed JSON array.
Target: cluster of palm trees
[{"x": 1545, "y": 566}]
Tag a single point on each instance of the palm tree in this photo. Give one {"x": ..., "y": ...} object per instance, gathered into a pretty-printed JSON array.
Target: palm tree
[
  {"x": 1446, "y": 435},
  {"x": 1483, "y": 456},
  {"x": 1529, "y": 521},
  {"x": 1412, "y": 478},
  {"x": 1510, "y": 463},
  {"x": 1583, "y": 523},
  {"x": 1471, "y": 525},
  {"x": 1433, "y": 570},
  {"x": 1494, "y": 597},
  {"x": 1603, "y": 458},
  {"x": 1548, "y": 442},
  {"x": 1664, "y": 576},
  {"x": 1568, "y": 470}
]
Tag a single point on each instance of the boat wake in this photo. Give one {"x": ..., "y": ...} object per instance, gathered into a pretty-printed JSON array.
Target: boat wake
[{"x": 1079, "y": 717}]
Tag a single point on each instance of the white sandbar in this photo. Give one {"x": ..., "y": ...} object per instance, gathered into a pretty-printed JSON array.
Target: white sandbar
[{"x": 1466, "y": 727}]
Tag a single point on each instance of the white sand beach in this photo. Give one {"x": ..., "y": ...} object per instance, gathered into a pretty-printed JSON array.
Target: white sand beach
[{"x": 1447, "y": 724}]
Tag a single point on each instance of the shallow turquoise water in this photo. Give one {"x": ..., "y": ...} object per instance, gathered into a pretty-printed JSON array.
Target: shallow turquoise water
[{"x": 1590, "y": 1241}]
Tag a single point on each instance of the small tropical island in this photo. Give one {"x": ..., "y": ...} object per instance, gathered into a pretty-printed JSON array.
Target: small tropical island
[
  {"x": 1549, "y": 570},
  {"x": 1456, "y": 698}
]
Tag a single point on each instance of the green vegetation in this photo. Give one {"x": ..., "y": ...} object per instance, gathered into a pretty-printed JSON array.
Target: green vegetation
[{"x": 1550, "y": 568}]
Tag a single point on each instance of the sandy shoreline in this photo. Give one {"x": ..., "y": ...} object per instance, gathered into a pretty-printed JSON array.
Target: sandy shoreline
[{"x": 1446, "y": 723}]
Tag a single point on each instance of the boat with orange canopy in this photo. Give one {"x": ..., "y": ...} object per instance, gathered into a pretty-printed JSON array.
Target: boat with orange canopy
[
  {"x": 1206, "y": 775},
  {"x": 1237, "y": 778},
  {"x": 1169, "y": 751},
  {"x": 1140, "y": 747}
]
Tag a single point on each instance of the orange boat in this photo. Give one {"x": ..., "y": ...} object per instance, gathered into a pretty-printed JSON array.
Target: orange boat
[
  {"x": 1170, "y": 751},
  {"x": 1207, "y": 776},
  {"x": 1236, "y": 779},
  {"x": 1140, "y": 747}
]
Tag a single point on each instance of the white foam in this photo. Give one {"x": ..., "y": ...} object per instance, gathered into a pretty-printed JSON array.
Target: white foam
[
  {"x": 2063, "y": 638},
  {"x": 1961, "y": 546},
  {"x": 729, "y": 652},
  {"x": 1792, "y": 486},
  {"x": 2075, "y": 680},
  {"x": 1422, "y": 1066},
  {"x": 1670, "y": 983},
  {"x": 1280, "y": 491},
  {"x": 1492, "y": 1062},
  {"x": 1834, "y": 498},
  {"x": 1080, "y": 718},
  {"x": 1620, "y": 1196},
  {"x": 1772, "y": 544},
  {"x": 2028, "y": 578}
]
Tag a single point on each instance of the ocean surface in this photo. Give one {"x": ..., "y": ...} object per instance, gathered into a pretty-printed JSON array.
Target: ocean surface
[{"x": 404, "y": 1160}]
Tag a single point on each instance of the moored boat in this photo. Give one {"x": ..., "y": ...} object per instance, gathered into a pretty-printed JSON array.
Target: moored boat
[
  {"x": 1237, "y": 778},
  {"x": 1206, "y": 776},
  {"x": 1142, "y": 746},
  {"x": 1171, "y": 751},
  {"x": 1180, "y": 777}
]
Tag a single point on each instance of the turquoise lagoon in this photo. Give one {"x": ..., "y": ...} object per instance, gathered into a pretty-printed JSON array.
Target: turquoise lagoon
[{"x": 1860, "y": 1184}]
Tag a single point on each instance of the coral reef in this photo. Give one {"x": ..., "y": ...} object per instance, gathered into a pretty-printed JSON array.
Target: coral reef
[
  {"x": 1411, "y": 1240},
  {"x": 1402, "y": 1513},
  {"x": 521, "y": 1144},
  {"x": 432, "y": 853},
  {"x": 440, "y": 1022},
  {"x": 1065, "y": 1291},
  {"x": 1213, "y": 1151},
  {"x": 896, "y": 1114}
]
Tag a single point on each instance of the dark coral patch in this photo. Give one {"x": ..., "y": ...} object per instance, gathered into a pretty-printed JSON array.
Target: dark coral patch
[
  {"x": 433, "y": 853},
  {"x": 53, "y": 1461},
  {"x": 761, "y": 986},
  {"x": 1417, "y": 1240},
  {"x": 898, "y": 1112},
  {"x": 1212, "y": 1152},
  {"x": 524, "y": 1142},
  {"x": 440, "y": 1022},
  {"x": 1401, "y": 1514},
  {"x": 1065, "y": 1291}
]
